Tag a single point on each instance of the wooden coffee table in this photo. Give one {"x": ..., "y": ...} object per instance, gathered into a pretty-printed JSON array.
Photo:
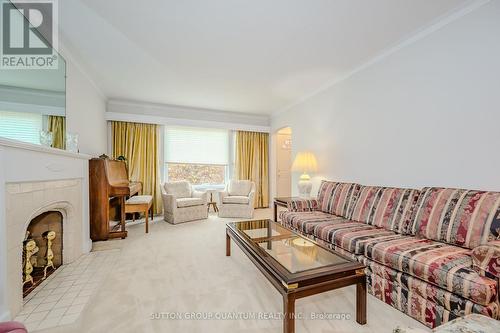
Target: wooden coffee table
[{"x": 297, "y": 266}]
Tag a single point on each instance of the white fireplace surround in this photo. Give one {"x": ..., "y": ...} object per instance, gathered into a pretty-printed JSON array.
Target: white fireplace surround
[{"x": 34, "y": 180}]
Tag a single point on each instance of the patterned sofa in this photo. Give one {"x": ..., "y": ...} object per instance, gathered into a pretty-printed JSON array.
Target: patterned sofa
[{"x": 432, "y": 253}]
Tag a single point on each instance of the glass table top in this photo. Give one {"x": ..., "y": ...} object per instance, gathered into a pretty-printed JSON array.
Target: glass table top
[{"x": 290, "y": 250}]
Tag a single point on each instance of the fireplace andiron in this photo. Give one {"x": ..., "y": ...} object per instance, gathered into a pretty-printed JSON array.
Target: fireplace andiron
[
  {"x": 49, "y": 236},
  {"x": 30, "y": 249}
]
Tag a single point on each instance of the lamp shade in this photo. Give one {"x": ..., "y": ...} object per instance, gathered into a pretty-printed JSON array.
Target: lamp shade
[{"x": 305, "y": 162}]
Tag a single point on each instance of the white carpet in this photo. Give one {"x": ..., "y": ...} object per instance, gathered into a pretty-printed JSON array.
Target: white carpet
[{"x": 178, "y": 272}]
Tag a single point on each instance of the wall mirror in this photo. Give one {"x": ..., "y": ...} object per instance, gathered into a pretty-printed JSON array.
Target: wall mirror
[{"x": 33, "y": 103}]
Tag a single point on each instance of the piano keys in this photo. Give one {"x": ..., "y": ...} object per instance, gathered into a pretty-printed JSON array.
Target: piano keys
[{"x": 109, "y": 186}]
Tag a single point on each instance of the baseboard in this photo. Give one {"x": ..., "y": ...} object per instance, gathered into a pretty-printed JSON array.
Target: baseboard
[
  {"x": 88, "y": 246},
  {"x": 5, "y": 316}
]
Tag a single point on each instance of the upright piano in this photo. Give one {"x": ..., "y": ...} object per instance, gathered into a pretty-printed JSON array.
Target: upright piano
[{"x": 109, "y": 187}]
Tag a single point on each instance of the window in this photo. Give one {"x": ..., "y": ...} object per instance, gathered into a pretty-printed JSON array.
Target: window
[
  {"x": 22, "y": 126},
  {"x": 198, "y": 155}
]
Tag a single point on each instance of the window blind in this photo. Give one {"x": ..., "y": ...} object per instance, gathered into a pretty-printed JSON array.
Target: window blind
[
  {"x": 196, "y": 145},
  {"x": 22, "y": 126}
]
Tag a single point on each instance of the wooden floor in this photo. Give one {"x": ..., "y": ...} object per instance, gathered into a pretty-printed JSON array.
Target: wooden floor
[{"x": 182, "y": 271}]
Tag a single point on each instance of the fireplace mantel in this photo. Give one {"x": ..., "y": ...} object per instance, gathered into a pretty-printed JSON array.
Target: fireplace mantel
[
  {"x": 25, "y": 166},
  {"x": 39, "y": 148}
]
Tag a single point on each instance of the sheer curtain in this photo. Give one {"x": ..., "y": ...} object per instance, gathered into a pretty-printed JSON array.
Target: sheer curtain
[
  {"x": 196, "y": 145},
  {"x": 252, "y": 162},
  {"x": 139, "y": 143},
  {"x": 198, "y": 155},
  {"x": 22, "y": 126}
]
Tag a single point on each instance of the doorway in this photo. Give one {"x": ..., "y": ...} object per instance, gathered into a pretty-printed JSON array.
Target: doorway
[{"x": 284, "y": 162}]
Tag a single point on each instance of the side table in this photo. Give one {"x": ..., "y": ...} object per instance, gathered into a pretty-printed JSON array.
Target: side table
[{"x": 212, "y": 202}]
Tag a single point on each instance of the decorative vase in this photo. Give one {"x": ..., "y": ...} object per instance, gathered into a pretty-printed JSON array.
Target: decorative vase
[
  {"x": 46, "y": 138},
  {"x": 72, "y": 142},
  {"x": 305, "y": 186}
]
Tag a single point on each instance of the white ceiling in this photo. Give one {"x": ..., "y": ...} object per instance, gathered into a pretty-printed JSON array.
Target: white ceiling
[{"x": 237, "y": 55}]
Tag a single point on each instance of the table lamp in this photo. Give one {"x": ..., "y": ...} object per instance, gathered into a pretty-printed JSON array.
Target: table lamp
[{"x": 305, "y": 162}]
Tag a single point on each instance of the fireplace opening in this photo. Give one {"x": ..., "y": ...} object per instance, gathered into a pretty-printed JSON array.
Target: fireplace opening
[{"x": 42, "y": 249}]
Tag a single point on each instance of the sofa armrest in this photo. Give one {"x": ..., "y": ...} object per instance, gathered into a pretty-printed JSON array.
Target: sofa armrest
[
  {"x": 169, "y": 202},
  {"x": 222, "y": 195},
  {"x": 486, "y": 259},
  {"x": 199, "y": 194},
  {"x": 302, "y": 205},
  {"x": 251, "y": 198}
]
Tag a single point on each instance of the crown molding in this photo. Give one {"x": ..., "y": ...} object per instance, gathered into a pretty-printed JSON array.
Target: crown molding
[
  {"x": 169, "y": 121},
  {"x": 32, "y": 100},
  {"x": 33, "y": 108},
  {"x": 166, "y": 114},
  {"x": 113, "y": 103},
  {"x": 33, "y": 92},
  {"x": 435, "y": 25}
]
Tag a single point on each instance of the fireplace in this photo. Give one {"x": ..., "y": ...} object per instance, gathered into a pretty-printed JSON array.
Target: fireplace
[
  {"x": 43, "y": 244},
  {"x": 36, "y": 207},
  {"x": 35, "y": 180}
]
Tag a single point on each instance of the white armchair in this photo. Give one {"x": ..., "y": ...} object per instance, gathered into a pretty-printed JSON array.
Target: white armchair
[
  {"x": 181, "y": 203},
  {"x": 237, "y": 200}
]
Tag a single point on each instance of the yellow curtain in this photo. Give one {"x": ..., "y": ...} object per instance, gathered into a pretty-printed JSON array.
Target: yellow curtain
[
  {"x": 139, "y": 143},
  {"x": 57, "y": 125},
  {"x": 252, "y": 162}
]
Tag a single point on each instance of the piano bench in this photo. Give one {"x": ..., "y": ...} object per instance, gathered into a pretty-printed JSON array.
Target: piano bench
[{"x": 140, "y": 204}]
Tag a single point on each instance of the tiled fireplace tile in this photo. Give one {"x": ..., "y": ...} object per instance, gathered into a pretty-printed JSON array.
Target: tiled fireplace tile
[{"x": 59, "y": 300}]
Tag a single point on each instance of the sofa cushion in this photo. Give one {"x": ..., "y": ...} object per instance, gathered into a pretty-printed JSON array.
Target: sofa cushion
[
  {"x": 425, "y": 310},
  {"x": 461, "y": 217},
  {"x": 328, "y": 231},
  {"x": 366, "y": 199},
  {"x": 189, "y": 202},
  {"x": 386, "y": 207},
  {"x": 302, "y": 205},
  {"x": 446, "y": 266},
  {"x": 337, "y": 198},
  {"x": 352, "y": 236},
  {"x": 235, "y": 199},
  {"x": 239, "y": 187},
  {"x": 486, "y": 259},
  {"x": 356, "y": 239},
  {"x": 307, "y": 221},
  {"x": 181, "y": 189},
  {"x": 450, "y": 301}
]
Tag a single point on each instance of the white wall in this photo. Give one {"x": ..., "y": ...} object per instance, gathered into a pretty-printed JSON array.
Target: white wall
[
  {"x": 85, "y": 109},
  {"x": 427, "y": 114}
]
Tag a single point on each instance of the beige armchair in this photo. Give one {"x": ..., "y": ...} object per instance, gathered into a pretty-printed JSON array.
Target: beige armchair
[
  {"x": 237, "y": 200},
  {"x": 181, "y": 203}
]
